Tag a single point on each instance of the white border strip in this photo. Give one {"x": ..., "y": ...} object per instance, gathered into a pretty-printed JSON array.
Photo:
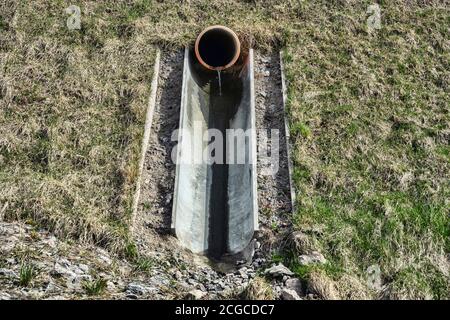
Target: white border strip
[
  {"x": 146, "y": 138},
  {"x": 287, "y": 133}
]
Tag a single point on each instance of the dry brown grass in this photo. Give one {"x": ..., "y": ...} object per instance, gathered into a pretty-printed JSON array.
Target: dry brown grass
[
  {"x": 257, "y": 289},
  {"x": 322, "y": 286},
  {"x": 71, "y": 121}
]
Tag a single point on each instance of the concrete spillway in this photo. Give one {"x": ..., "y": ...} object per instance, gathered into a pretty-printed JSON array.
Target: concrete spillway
[{"x": 215, "y": 204}]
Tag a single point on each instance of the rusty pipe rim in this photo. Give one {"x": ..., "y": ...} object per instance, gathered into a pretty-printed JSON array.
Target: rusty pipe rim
[{"x": 236, "y": 41}]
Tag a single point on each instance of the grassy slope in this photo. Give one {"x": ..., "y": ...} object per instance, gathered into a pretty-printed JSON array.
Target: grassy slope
[
  {"x": 369, "y": 115},
  {"x": 71, "y": 119}
]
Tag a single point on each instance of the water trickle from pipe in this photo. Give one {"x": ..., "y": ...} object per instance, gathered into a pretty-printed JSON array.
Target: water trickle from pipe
[{"x": 220, "y": 82}]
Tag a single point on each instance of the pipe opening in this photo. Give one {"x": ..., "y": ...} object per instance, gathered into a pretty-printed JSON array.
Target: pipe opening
[{"x": 217, "y": 48}]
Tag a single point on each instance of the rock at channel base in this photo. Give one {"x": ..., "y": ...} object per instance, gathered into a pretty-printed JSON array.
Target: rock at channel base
[{"x": 289, "y": 294}]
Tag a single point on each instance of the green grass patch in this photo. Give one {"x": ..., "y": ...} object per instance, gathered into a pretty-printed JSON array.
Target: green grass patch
[
  {"x": 144, "y": 264},
  {"x": 96, "y": 287},
  {"x": 27, "y": 274},
  {"x": 301, "y": 129}
]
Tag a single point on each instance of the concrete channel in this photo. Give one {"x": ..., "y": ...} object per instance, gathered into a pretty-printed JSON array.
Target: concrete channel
[{"x": 215, "y": 210}]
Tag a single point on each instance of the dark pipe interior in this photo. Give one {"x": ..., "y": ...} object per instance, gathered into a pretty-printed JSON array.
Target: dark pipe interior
[{"x": 217, "y": 48}]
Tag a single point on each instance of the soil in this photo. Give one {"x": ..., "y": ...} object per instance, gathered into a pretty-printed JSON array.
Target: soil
[
  {"x": 274, "y": 199},
  {"x": 158, "y": 176}
]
